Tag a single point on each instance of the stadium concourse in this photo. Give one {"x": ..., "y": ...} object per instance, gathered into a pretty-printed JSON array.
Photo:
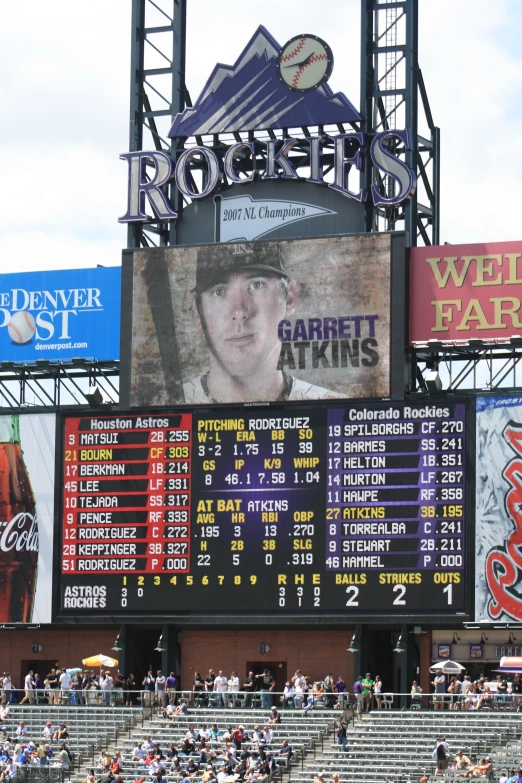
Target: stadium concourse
[{"x": 199, "y": 736}]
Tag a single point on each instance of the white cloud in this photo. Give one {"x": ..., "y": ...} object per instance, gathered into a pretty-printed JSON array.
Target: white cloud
[
  {"x": 472, "y": 79},
  {"x": 75, "y": 186},
  {"x": 29, "y": 251},
  {"x": 65, "y": 96}
]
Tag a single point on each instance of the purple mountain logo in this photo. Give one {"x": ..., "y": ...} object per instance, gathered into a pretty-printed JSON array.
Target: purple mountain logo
[{"x": 250, "y": 96}]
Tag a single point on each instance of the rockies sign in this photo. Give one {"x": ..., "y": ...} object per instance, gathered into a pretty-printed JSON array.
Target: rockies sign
[{"x": 269, "y": 87}]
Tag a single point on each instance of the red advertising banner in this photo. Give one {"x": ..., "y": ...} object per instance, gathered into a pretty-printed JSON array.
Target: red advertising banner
[{"x": 463, "y": 292}]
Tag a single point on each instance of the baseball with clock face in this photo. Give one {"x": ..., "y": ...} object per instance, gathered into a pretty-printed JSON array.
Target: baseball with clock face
[{"x": 304, "y": 63}]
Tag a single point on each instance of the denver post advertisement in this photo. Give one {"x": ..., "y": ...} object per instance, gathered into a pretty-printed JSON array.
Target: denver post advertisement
[
  {"x": 261, "y": 321},
  {"x": 60, "y": 315}
]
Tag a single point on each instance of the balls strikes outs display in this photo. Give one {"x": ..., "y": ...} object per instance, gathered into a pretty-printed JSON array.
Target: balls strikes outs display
[{"x": 304, "y": 63}]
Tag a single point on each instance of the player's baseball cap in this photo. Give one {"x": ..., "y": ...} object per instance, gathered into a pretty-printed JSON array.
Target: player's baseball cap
[{"x": 216, "y": 262}]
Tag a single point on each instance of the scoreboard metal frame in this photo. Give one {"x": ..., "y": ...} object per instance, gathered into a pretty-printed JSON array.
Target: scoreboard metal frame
[{"x": 243, "y": 602}]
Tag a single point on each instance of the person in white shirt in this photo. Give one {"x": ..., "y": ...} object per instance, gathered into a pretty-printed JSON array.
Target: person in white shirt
[
  {"x": 268, "y": 735},
  {"x": 220, "y": 687},
  {"x": 299, "y": 688},
  {"x": 232, "y": 753},
  {"x": 65, "y": 684},
  {"x": 156, "y": 764},
  {"x": 148, "y": 743},
  {"x": 4, "y": 712},
  {"x": 192, "y": 735},
  {"x": 106, "y": 686},
  {"x": 233, "y": 688},
  {"x": 466, "y": 685},
  {"x": 257, "y": 736},
  {"x": 467, "y": 693},
  {"x": 159, "y": 687},
  {"x": 28, "y": 687},
  {"x": 288, "y": 695},
  {"x": 48, "y": 730},
  {"x": 21, "y": 729},
  {"x": 138, "y": 753},
  {"x": 7, "y": 686},
  {"x": 439, "y": 683},
  {"x": 253, "y": 761}
]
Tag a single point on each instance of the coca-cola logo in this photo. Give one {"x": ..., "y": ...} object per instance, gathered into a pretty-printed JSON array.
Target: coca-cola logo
[
  {"x": 20, "y": 533},
  {"x": 504, "y": 564}
]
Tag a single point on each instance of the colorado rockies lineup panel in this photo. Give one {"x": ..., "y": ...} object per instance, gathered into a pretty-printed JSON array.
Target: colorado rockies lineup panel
[{"x": 352, "y": 509}]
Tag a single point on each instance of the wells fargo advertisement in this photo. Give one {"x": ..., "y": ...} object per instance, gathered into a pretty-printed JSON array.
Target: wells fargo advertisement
[{"x": 462, "y": 292}]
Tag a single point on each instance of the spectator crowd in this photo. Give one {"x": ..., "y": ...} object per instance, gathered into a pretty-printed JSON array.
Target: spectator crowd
[
  {"x": 209, "y": 752},
  {"x": 18, "y": 749}
]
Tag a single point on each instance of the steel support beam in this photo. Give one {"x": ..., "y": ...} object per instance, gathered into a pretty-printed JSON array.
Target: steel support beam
[
  {"x": 392, "y": 95},
  {"x": 471, "y": 368},
  {"x": 157, "y": 93},
  {"x": 49, "y": 386}
]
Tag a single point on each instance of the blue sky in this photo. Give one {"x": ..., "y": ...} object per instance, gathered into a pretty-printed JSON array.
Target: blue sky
[{"x": 65, "y": 87}]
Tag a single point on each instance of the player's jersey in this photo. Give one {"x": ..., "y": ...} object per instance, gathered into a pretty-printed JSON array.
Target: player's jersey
[{"x": 196, "y": 391}]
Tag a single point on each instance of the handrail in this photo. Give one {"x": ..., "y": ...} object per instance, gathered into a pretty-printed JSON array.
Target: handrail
[{"x": 262, "y": 699}]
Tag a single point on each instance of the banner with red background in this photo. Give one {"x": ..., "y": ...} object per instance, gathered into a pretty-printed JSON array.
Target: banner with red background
[{"x": 462, "y": 292}]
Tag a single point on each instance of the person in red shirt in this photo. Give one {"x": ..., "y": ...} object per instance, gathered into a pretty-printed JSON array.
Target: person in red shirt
[{"x": 238, "y": 737}]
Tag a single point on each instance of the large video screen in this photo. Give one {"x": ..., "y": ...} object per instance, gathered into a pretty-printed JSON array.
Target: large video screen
[
  {"x": 354, "y": 510},
  {"x": 292, "y": 320}
]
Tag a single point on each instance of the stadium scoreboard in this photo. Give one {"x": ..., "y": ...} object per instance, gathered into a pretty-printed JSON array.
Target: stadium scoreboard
[{"x": 353, "y": 509}]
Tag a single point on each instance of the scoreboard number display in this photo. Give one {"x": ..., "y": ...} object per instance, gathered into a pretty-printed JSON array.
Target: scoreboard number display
[{"x": 347, "y": 510}]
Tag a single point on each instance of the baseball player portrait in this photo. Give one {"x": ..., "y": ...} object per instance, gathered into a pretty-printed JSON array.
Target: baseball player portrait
[
  {"x": 263, "y": 321},
  {"x": 242, "y": 292}
]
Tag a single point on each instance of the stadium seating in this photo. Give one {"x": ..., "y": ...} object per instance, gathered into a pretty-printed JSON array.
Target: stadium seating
[
  {"x": 395, "y": 745},
  {"x": 302, "y": 731},
  {"x": 382, "y": 745},
  {"x": 90, "y": 728}
]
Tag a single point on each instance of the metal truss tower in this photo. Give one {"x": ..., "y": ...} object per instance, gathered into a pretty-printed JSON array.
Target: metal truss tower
[
  {"x": 393, "y": 96},
  {"x": 157, "y": 93}
]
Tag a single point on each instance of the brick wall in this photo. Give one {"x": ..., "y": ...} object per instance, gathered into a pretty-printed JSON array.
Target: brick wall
[
  {"x": 314, "y": 652},
  {"x": 66, "y": 647}
]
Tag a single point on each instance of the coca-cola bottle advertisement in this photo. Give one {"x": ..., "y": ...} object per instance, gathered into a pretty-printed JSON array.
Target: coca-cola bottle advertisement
[{"x": 26, "y": 517}]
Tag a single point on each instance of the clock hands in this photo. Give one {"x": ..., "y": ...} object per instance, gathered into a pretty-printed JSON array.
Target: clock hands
[{"x": 303, "y": 62}]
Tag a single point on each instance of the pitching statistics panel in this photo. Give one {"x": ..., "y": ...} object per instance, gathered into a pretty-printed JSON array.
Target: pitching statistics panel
[{"x": 356, "y": 509}]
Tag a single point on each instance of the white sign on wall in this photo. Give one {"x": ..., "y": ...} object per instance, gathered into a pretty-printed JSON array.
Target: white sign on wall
[{"x": 245, "y": 218}]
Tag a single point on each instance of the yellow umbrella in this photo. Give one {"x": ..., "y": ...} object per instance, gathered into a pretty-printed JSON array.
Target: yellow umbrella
[{"x": 100, "y": 660}]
